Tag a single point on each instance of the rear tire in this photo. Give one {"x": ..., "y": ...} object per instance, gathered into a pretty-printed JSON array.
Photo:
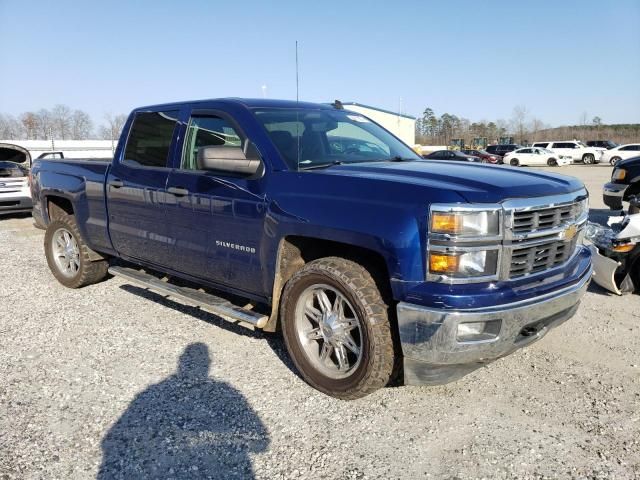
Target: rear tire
[
  {"x": 588, "y": 159},
  {"x": 552, "y": 162},
  {"x": 336, "y": 328},
  {"x": 514, "y": 162},
  {"x": 69, "y": 257},
  {"x": 614, "y": 160}
]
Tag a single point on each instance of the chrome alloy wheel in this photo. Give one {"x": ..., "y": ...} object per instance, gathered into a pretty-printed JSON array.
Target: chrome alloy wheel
[
  {"x": 329, "y": 331},
  {"x": 66, "y": 252}
]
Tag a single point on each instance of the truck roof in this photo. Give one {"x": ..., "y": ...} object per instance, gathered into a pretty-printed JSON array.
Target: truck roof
[{"x": 246, "y": 102}]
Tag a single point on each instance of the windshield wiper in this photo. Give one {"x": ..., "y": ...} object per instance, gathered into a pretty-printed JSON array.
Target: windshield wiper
[
  {"x": 323, "y": 165},
  {"x": 398, "y": 158}
]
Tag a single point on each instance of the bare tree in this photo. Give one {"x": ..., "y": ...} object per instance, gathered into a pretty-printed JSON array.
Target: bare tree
[
  {"x": 45, "y": 124},
  {"x": 518, "y": 121},
  {"x": 62, "y": 121},
  {"x": 584, "y": 118},
  {"x": 10, "y": 128},
  {"x": 535, "y": 126},
  {"x": 113, "y": 126},
  {"x": 30, "y": 123},
  {"x": 81, "y": 125}
]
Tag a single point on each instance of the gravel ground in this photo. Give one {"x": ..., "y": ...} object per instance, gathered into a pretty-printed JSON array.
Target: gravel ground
[{"x": 113, "y": 378}]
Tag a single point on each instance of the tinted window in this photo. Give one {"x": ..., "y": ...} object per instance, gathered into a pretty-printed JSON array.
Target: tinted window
[
  {"x": 541, "y": 144},
  {"x": 563, "y": 145},
  {"x": 150, "y": 138},
  {"x": 207, "y": 131},
  {"x": 525, "y": 150},
  {"x": 315, "y": 138},
  {"x": 630, "y": 148}
]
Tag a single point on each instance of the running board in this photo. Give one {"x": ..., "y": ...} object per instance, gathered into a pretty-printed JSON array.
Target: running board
[{"x": 196, "y": 298}]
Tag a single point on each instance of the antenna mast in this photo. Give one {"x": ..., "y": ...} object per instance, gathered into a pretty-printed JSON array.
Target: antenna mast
[{"x": 297, "y": 114}]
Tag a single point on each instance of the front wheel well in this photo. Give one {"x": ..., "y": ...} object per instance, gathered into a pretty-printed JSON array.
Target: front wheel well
[
  {"x": 296, "y": 251},
  {"x": 634, "y": 189}
]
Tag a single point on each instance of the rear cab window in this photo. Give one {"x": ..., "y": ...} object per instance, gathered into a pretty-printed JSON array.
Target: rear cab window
[{"x": 150, "y": 137}]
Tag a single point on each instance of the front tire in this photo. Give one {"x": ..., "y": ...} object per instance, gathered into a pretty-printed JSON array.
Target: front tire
[
  {"x": 336, "y": 328},
  {"x": 614, "y": 160},
  {"x": 69, "y": 257},
  {"x": 588, "y": 159},
  {"x": 552, "y": 162},
  {"x": 514, "y": 162}
]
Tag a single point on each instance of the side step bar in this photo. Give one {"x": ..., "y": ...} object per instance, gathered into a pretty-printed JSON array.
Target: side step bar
[{"x": 196, "y": 298}]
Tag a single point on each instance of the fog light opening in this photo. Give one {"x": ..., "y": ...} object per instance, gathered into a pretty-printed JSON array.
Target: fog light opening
[{"x": 478, "y": 331}]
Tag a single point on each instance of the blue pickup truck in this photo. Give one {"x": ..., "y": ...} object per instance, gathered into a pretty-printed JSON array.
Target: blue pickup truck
[{"x": 376, "y": 265}]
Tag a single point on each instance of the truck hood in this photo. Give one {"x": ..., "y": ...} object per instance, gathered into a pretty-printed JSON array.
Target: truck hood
[{"x": 474, "y": 182}]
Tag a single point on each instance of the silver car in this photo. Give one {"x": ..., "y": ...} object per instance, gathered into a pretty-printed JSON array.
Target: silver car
[{"x": 15, "y": 195}]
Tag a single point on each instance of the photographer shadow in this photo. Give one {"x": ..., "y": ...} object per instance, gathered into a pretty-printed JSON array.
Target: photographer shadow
[{"x": 188, "y": 426}]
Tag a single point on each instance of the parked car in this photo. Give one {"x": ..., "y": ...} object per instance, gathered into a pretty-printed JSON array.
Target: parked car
[
  {"x": 535, "y": 156},
  {"x": 15, "y": 162},
  {"x": 621, "y": 152},
  {"x": 502, "y": 150},
  {"x": 451, "y": 155},
  {"x": 485, "y": 157},
  {"x": 625, "y": 182},
  {"x": 578, "y": 151},
  {"x": 607, "y": 144},
  {"x": 369, "y": 267}
]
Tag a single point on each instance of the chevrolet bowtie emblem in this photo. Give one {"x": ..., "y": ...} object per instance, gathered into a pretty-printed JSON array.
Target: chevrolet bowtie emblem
[{"x": 569, "y": 232}]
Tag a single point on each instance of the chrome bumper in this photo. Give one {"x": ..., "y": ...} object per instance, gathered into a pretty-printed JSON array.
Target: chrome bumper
[
  {"x": 434, "y": 355},
  {"x": 612, "y": 195}
]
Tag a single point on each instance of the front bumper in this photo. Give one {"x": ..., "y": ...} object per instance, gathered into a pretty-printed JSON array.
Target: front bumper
[
  {"x": 434, "y": 355},
  {"x": 14, "y": 196},
  {"x": 613, "y": 193}
]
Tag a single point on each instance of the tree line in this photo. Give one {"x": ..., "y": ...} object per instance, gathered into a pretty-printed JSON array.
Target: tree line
[
  {"x": 59, "y": 123},
  {"x": 523, "y": 127}
]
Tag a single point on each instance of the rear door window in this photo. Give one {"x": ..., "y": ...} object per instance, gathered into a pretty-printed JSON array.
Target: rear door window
[{"x": 150, "y": 137}]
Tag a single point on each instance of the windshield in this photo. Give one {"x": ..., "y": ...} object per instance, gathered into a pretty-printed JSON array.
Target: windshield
[{"x": 327, "y": 137}]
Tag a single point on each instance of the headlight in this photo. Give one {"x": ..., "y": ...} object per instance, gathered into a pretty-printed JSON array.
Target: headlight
[
  {"x": 618, "y": 174},
  {"x": 582, "y": 207},
  {"x": 478, "y": 263},
  {"x": 466, "y": 223}
]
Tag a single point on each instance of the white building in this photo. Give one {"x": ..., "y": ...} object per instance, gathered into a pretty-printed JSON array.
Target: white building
[
  {"x": 402, "y": 126},
  {"x": 70, "y": 148}
]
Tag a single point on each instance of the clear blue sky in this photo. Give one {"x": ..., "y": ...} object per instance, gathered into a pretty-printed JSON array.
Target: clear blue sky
[{"x": 473, "y": 59}]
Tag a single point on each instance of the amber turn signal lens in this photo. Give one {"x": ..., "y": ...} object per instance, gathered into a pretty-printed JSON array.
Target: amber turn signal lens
[
  {"x": 627, "y": 247},
  {"x": 446, "y": 222},
  {"x": 441, "y": 263}
]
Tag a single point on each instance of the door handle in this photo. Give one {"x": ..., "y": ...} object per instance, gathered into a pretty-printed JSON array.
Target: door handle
[
  {"x": 178, "y": 191},
  {"x": 116, "y": 183}
]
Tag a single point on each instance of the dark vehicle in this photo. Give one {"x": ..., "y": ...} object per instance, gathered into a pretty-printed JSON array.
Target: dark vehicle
[
  {"x": 502, "y": 150},
  {"x": 608, "y": 144},
  {"x": 373, "y": 267},
  {"x": 451, "y": 155},
  {"x": 483, "y": 155},
  {"x": 51, "y": 155},
  {"x": 625, "y": 182}
]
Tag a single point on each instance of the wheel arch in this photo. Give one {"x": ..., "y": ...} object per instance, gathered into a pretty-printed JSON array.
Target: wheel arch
[
  {"x": 57, "y": 205},
  {"x": 295, "y": 251}
]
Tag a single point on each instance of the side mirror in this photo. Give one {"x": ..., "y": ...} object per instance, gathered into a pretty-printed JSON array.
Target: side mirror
[{"x": 231, "y": 160}]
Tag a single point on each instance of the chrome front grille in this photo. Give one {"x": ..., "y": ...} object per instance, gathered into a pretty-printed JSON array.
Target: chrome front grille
[
  {"x": 543, "y": 218},
  {"x": 537, "y": 258},
  {"x": 541, "y": 237}
]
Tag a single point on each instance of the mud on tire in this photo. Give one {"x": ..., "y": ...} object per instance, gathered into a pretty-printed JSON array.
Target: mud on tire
[
  {"x": 64, "y": 246},
  {"x": 333, "y": 278}
]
